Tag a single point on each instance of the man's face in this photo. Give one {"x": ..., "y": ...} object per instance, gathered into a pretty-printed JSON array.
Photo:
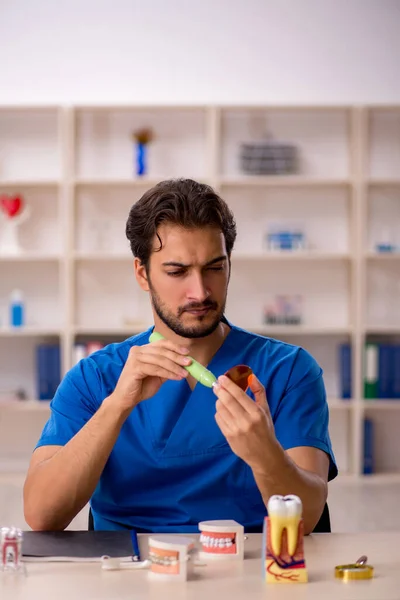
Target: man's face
[{"x": 188, "y": 279}]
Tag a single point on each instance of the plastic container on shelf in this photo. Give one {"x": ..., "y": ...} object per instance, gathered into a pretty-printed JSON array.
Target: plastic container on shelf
[{"x": 17, "y": 309}]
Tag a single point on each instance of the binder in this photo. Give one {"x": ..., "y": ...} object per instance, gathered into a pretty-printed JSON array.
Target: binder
[
  {"x": 396, "y": 371},
  {"x": 385, "y": 371},
  {"x": 345, "y": 370},
  {"x": 71, "y": 546},
  {"x": 368, "y": 466}
]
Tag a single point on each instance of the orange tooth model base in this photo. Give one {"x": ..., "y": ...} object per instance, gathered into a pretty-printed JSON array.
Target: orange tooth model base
[{"x": 283, "y": 568}]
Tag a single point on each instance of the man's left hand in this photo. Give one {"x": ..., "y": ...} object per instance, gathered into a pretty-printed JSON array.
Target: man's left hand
[{"x": 247, "y": 424}]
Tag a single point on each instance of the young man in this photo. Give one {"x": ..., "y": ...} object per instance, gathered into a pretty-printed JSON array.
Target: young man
[{"x": 133, "y": 433}]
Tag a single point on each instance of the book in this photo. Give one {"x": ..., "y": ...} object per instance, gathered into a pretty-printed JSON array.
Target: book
[
  {"x": 396, "y": 372},
  {"x": 48, "y": 370},
  {"x": 368, "y": 458},
  {"x": 385, "y": 371},
  {"x": 345, "y": 369}
]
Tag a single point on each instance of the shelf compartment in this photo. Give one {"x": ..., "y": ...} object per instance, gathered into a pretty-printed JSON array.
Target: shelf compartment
[
  {"x": 30, "y": 146},
  {"x": 258, "y": 212},
  {"x": 112, "y": 292},
  {"x": 104, "y": 144},
  {"x": 321, "y": 137},
  {"x": 318, "y": 286},
  {"x": 40, "y": 286},
  {"x": 384, "y": 145}
]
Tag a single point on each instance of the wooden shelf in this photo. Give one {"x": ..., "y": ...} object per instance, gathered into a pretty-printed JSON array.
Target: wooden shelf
[
  {"x": 303, "y": 255},
  {"x": 38, "y": 257},
  {"x": 384, "y": 182},
  {"x": 121, "y": 183},
  {"x": 25, "y": 405},
  {"x": 297, "y": 330},
  {"x": 29, "y": 332},
  {"x": 383, "y": 256},
  {"x": 340, "y": 404},
  {"x": 282, "y": 181},
  {"x": 110, "y": 331},
  {"x": 99, "y": 257},
  {"x": 26, "y": 183},
  {"x": 383, "y": 329},
  {"x": 382, "y": 404}
]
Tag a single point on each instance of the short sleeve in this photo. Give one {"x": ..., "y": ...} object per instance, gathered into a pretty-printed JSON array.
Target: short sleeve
[
  {"x": 302, "y": 416},
  {"x": 75, "y": 402}
]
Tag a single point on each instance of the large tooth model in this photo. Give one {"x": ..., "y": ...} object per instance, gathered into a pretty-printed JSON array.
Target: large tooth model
[{"x": 283, "y": 553}]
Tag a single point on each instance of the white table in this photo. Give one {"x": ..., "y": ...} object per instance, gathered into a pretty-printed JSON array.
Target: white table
[{"x": 224, "y": 580}]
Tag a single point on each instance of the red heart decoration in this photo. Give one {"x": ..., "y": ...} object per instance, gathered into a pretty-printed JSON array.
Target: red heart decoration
[{"x": 12, "y": 206}]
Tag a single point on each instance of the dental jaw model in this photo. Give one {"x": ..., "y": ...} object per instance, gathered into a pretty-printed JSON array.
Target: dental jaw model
[
  {"x": 221, "y": 540},
  {"x": 283, "y": 553},
  {"x": 171, "y": 558}
]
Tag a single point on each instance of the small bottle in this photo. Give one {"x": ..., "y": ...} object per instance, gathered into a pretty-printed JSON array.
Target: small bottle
[{"x": 17, "y": 316}]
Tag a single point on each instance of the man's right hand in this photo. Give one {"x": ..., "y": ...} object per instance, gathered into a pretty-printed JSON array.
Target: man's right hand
[{"x": 146, "y": 369}]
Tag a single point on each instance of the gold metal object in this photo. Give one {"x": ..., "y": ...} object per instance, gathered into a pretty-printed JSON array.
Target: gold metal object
[{"x": 355, "y": 571}]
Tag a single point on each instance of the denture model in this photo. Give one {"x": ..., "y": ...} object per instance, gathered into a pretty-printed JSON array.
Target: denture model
[
  {"x": 171, "y": 558},
  {"x": 282, "y": 546},
  {"x": 221, "y": 540}
]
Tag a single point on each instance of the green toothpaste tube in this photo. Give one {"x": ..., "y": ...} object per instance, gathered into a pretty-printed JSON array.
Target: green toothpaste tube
[{"x": 196, "y": 370}]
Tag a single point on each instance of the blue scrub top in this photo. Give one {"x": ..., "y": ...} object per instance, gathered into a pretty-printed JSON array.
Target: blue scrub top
[{"x": 171, "y": 466}]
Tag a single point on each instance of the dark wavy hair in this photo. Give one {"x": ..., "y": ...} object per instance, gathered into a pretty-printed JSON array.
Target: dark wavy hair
[{"x": 182, "y": 202}]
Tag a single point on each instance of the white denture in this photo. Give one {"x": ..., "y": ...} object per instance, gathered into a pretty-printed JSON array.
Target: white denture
[
  {"x": 184, "y": 549},
  {"x": 225, "y": 543}
]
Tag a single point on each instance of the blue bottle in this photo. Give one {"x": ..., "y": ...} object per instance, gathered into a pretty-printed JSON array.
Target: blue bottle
[
  {"x": 17, "y": 316},
  {"x": 141, "y": 159}
]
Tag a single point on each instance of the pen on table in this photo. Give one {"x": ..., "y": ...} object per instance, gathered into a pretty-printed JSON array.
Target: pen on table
[{"x": 135, "y": 544}]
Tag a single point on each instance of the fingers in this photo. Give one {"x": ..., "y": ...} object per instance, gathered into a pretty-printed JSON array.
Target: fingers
[
  {"x": 230, "y": 407},
  {"x": 147, "y": 361},
  {"x": 172, "y": 354},
  {"x": 168, "y": 345},
  {"x": 259, "y": 393},
  {"x": 232, "y": 394},
  {"x": 223, "y": 425}
]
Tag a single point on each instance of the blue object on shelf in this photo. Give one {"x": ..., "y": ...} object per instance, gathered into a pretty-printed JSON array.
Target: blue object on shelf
[
  {"x": 17, "y": 316},
  {"x": 141, "y": 158},
  {"x": 385, "y": 370},
  {"x": 48, "y": 370},
  {"x": 345, "y": 370},
  {"x": 396, "y": 372},
  {"x": 368, "y": 466},
  {"x": 386, "y": 248},
  {"x": 286, "y": 240}
]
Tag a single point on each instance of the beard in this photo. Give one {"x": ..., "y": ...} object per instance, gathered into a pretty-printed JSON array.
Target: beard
[{"x": 204, "y": 326}]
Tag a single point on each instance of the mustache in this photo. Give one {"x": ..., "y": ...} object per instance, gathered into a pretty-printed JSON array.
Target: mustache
[{"x": 197, "y": 306}]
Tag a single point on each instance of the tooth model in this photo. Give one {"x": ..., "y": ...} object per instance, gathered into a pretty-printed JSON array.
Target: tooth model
[
  {"x": 171, "y": 558},
  {"x": 221, "y": 540},
  {"x": 283, "y": 551}
]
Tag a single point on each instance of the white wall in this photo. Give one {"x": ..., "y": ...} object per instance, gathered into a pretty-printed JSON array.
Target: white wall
[{"x": 194, "y": 51}]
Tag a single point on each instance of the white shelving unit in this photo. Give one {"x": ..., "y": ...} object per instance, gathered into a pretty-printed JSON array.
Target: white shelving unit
[{"x": 75, "y": 167}]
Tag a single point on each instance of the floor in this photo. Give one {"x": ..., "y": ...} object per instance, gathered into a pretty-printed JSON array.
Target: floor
[{"x": 367, "y": 505}]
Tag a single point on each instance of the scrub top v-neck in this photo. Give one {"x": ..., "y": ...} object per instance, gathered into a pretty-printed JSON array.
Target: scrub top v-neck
[{"x": 171, "y": 466}]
